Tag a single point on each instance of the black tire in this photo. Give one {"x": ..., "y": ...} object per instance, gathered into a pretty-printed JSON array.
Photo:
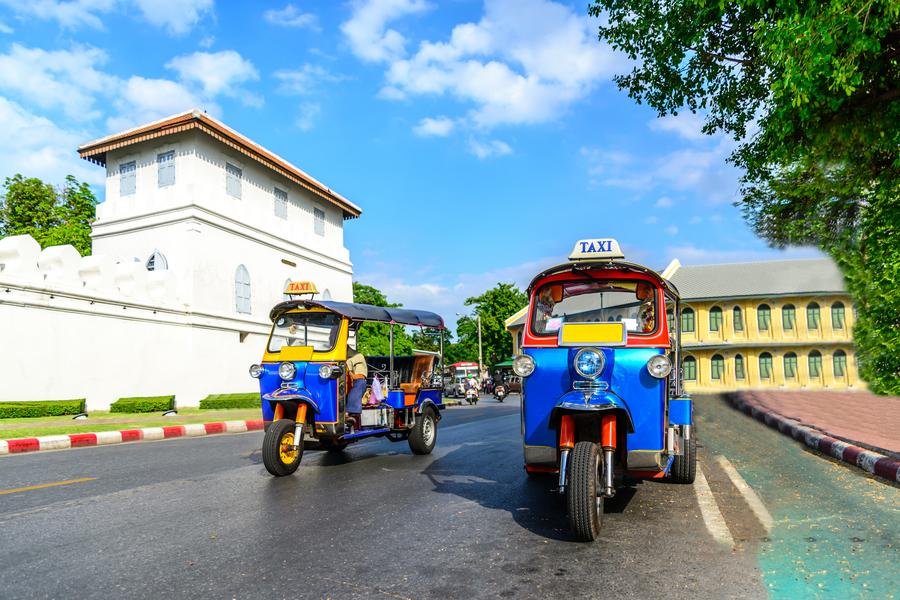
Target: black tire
[
  {"x": 281, "y": 433},
  {"x": 684, "y": 467},
  {"x": 583, "y": 496},
  {"x": 423, "y": 436}
]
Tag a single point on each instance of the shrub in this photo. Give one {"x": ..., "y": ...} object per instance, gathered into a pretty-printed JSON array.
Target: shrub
[
  {"x": 143, "y": 404},
  {"x": 41, "y": 408},
  {"x": 219, "y": 401}
]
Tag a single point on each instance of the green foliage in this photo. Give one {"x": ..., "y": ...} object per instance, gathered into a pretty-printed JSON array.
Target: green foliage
[
  {"x": 373, "y": 339},
  {"x": 49, "y": 215},
  {"x": 143, "y": 404},
  {"x": 41, "y": 408},
  {"x": 494, "y": 307},
  {"x": 220, "y": 401},
  {"x": 811, "y": 93}
]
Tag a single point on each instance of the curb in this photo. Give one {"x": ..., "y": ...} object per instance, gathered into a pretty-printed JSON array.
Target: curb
[
  {"x": 104, "y": 438},
  {"x": 871, "y": 462}
]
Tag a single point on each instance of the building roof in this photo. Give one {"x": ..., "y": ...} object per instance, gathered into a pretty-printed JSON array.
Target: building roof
[
  {"x": 96, "y": 150},
  {"x": 763, "y": 278}
]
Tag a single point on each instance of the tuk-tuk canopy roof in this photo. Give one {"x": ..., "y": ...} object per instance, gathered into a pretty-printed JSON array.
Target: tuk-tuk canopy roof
[
  {"x": 366, "y": 312},
  {"x": 606, "y": 265}
]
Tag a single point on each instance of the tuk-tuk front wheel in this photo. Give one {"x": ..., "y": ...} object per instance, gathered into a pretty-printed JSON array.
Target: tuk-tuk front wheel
[
  {"x": 583, "y": 491},
  {"x": 424, "y": 433},
  {"x": 280, "y": 455},
  {"x": 684, "y": 467}
]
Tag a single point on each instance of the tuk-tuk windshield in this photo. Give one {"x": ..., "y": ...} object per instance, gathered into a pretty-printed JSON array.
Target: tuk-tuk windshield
[
  {"x": 316, "y": 329},
  {"x": 595, "y": 301}
]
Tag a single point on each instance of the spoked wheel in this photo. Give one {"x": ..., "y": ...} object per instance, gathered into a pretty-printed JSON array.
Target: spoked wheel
[
  {"x": 280, "y": 456},
  {"x": 583, "y": 495},
  {"x": 424, "y": 433},
  {"x": 684, "y": 467}
]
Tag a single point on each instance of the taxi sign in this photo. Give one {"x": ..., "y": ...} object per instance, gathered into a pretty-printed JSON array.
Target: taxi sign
[
  {"x": 596, "y": 249},
  {"x": 296, "y": 288}
]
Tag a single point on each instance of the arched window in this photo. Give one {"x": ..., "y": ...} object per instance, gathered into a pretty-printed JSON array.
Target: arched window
[
  {"x": 840, "y": 363},
  {"x": 790, "y": 365},
  {"x": 242, "y": 290},
  {"x": 764, "y": 317},
  {"x": 717, "y": 367},
  {"x": 788, "y": 317},
  {"x": 715, "y": 318},
  {"x": 815, "y": 363},
  {"x": 765, "y": 366},
  {"x": 285, "y": 296},
  {"x": 689, "y": 367},
  {"x": 157, "y": 262},
  {"x": 812, "y": 316},
  {"x": 687, "y": 320},
  {"x": 326, "y": 295},
  {"x": 738, "y": 319},
  {"x": 738, "y": 366},
  {"x": 837, "y": 315}
]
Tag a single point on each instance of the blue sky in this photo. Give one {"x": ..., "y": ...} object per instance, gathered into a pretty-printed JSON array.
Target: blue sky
[{"x": 480, "y": 137}]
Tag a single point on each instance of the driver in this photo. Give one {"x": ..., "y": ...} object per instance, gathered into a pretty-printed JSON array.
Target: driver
[
  {"x": 358, "y": 371},
  {"x": 644, "y": 293}
]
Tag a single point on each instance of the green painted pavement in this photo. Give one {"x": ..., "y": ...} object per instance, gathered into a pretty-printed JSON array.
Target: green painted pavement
[{"x": 836, "y": 532}]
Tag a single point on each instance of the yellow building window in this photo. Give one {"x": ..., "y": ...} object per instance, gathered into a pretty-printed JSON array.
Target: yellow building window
[
  {"x": 765, "y": 366},
  {"x": 738, "y": 319},
  {"x": 739, "y": 367},
  {"x": 790, "y": 365},
  {"x": 687, "y": 320},
  {"x": 717, "y": 367},
  {"x": 840, "y": 363},
  {"x": 715, "y": 318},
  {"x": 764, "y": 317},
  {"x": 788, "y": 317},
  {"x": 815, "y": 363},
  {"x": 689, "y": 368},
  {"x": 812, "y": 316},
  {"x": 837, "y": 315}
]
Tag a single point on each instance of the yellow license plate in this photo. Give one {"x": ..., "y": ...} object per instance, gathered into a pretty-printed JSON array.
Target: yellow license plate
[{"x": 592, "y": 334}]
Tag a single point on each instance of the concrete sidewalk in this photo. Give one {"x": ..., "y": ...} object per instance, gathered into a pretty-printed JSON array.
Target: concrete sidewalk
[{"x": 858, "y": 428}]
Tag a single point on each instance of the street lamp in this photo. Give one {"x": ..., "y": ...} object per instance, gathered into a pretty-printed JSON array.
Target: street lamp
[{"x": 478, "y": 318}]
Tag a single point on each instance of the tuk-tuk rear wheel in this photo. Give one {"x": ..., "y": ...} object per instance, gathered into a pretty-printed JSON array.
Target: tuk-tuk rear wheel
[
  {"x": 280, "y": 457},
  {"x": 583, "y": 497},
  {"x": 423, "y": 436}
]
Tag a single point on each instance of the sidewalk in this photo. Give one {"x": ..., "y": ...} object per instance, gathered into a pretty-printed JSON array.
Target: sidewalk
[{"x": 859, "y": 428}]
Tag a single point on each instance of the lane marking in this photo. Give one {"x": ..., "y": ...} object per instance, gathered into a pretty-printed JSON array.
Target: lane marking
[
  {"x": 45, "y": 485},
  {"x": 712, "y": 516},
  {"x": 756, "y": 505}
]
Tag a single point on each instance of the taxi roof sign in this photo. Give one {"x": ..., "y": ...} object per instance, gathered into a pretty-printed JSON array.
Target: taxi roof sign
[
  {"x": 296, "y": 288},
  {"x": 596, "y": 249}
]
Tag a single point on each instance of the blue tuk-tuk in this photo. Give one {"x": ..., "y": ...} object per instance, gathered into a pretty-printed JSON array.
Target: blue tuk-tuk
[
  {"x": 602, "y": 391},
  {"x": 304, "y": 381}
]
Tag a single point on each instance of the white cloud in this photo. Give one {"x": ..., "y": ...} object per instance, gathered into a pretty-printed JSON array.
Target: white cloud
[
  {"x": 215, "y": 72},
  {"x": 664, "y": 202},
  {"x": 4, "y": 28},
  {"x": 291, "y": 16},
  {"x": 686, "y": 125},
  {"x": 207, "y": 41},
  {"x": 438, "y": 127},
  {"x": 306, "y": 79},
  {"x": 651, "y": 220},
  {"x": 489, "y": 148},
  {"x": 690, "y": 254},
  {"x": 367, "y": 33},
  {"x": 307, "y": 115},
  {"x": 176, "y": 16},
  {"x": 64, "y": 79},
  {"x": 36, "y": 147},
  {"x": 142, "y": 100},
  {"x": 672, "y": 230}
]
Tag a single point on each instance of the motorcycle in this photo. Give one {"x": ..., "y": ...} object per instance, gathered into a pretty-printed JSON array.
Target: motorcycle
[
  {"x": 471, "y": 395},
  {"x": 500, "y": 392}
]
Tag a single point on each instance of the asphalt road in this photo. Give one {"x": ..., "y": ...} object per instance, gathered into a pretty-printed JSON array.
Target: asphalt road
[{"x": 202, "y": 518}]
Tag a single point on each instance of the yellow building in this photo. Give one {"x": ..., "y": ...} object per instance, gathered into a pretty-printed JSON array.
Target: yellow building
[{"x": 783, "y": 324}]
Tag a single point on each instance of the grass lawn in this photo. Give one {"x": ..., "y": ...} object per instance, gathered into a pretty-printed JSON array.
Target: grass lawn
[{"x": 105, "y": 421}]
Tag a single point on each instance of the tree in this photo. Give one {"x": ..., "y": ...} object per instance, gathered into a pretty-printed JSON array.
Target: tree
[
  {"x": 811, "y": 93},
  {"x": 373, "y": 339},
  {"x": 494, "y": 307},
  {"x": 49, "y": 215}
]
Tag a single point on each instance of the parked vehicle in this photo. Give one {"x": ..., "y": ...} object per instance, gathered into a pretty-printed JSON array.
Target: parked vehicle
[
  {"x": 514, "y": 384},
  {"x": 304, "y": 383},
  {"x": 602, "y": 380}
]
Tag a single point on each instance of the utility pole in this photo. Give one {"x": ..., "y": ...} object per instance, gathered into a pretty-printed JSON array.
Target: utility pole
[{"x": 480, "y": 367}]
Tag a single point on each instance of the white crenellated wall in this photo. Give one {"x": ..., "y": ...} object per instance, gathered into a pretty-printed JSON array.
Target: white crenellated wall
[{"x": 74, "y": 327}]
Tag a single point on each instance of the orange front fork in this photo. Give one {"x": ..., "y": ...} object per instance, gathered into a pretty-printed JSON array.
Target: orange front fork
[
  {"x": 299, "y": 422},
  {"x": 608, "y": 443}
]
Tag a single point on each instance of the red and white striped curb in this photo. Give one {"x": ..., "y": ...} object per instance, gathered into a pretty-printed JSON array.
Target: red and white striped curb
[
  {"x": 872, "y": 462},
  {"x": 102, "y": 438}
]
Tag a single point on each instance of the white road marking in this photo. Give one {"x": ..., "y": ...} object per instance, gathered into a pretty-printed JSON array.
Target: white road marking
[
  {"x": 756, "y": 505},
  {"x": 712, "y": 516}
]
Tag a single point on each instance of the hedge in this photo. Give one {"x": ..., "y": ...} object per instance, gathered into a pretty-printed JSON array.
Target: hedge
[
  {"x": 219, "y": 401},
  {"x": 41, "y": 408},
  {"x": 143, "y": 404}
]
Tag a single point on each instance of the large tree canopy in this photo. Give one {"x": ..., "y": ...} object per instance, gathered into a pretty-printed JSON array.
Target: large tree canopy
[
  {"x": 51, "y": 216},
  {"x": 373, "y": 339},
  {"x": 493, "y": 306},
  {"x": 811, "y": 93}
]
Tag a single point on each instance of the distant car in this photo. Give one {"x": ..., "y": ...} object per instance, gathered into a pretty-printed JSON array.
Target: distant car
[{"x": 514, "y": 383}]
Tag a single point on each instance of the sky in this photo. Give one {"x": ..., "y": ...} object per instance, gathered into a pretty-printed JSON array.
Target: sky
[{"x": 481, "y": 138}]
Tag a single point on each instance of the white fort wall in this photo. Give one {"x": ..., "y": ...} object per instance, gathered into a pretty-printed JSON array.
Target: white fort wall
[{"x": 74, "y": 327}]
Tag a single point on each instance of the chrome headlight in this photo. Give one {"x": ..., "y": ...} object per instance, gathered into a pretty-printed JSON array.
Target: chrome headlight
[
  {"x": 523, "y": 365},
  {"x": 589, "y": 363},
  {"x": 329, "y": 371},
  {"x": 256, "y": 371},
  {"x": 659, "y": 366},
  {"x": 287, "y": 371}
]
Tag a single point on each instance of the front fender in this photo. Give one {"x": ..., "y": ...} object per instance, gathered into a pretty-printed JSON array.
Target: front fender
[
  {"x": 597, "y": 401},
  {"x": 291, "y": 395}
]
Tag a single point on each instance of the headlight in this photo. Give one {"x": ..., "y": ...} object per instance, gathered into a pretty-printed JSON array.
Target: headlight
[
  {"x": 287, "y": 371},
  {"x": 659, "y": 366},
  {"x": 256, "y": 371},
  {"x": 329, "y": 371},
  {"x": 589, "y": 363},
  {"x": 523, "y": 365}
]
